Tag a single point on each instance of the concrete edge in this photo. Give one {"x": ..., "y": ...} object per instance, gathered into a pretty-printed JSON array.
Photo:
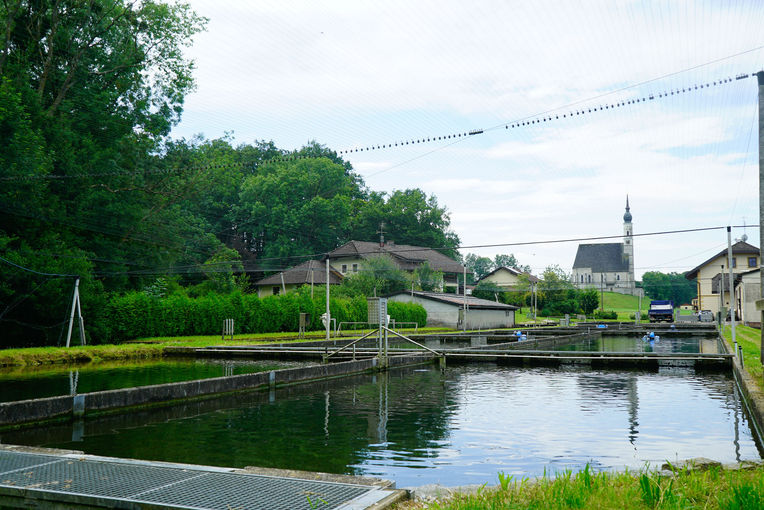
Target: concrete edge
[
  {"x": 319, "y": 476},
  {"x": 66, "y": 407},
  {"x": 395, "y": 496},
  {"x": 753, "y": 396}
]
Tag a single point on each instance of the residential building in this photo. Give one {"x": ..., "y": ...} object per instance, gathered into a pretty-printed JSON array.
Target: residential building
[
  {"x": 350, "y": 257},
  {"x": 508, "y": 278},
  {"x": 312, "y": 272},
  {"x": 709, "y": 280},
  {"x": 447, "y": 310},
  {"x": 747, "y": 292},
  {"x": 608, "y": 266}
]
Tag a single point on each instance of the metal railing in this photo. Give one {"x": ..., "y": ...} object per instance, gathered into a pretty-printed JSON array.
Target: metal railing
[{"x": 392, "y": 322}]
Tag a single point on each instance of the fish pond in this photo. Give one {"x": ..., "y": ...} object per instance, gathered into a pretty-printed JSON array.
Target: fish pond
[
  {"x": 20, "y": 383},
  {"x": 422, "y": 425}
]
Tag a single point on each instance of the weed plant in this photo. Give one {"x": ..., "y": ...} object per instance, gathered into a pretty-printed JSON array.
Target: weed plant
[{"x": 712, "y": 489}]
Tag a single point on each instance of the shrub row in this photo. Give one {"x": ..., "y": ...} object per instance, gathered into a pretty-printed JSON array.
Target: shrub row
[{"x": 139, "y": 315}]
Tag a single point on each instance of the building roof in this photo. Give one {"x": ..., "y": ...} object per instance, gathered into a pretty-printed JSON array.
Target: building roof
[
  {"x": 601, "y": 258},
  {"x": 406, "y": 256},
  {"x": 739, "y": 248},
  {"x": 458, "y": 300},
  {"x": 513, "y": 271},
  {"x": 300, "y": 274}
]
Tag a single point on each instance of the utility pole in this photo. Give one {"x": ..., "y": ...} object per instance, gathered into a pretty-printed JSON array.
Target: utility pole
[
  {"x": 328, "y": 312},
  {"x": 602, "y": 292},
  {"x": 464, "y": 298},
  {"x": 721, "y": 298},
  {"x": 732, "y": 287},
  {"x": 760, "y": 78}
]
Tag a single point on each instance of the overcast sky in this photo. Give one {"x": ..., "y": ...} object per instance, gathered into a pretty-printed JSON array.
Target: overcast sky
[{"x": 357, "y": 74}]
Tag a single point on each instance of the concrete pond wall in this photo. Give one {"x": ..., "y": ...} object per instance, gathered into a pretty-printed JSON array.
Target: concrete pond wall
[{"x": 70, "y": 406}]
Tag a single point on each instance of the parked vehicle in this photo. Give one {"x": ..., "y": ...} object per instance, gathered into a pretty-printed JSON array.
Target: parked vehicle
[
  {"x": 661, "y": 310},
  {"x": 706, "y": 316}
]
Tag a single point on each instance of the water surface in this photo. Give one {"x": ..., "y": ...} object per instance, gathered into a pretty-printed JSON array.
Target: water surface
[
  {"x": 38, "y": 382},
  {"x": 420, "y": 426}
]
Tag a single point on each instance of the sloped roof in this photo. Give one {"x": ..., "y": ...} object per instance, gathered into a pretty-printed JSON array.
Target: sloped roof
[
  {"x": 458, "y": 300},
  {"x": 739, "y": 248},
  {"x": 601, "y": 258},
  {"x": 300, "y": 274},
  {"x": 406, "y": 256},
  {"x": 512, "y": 270}
]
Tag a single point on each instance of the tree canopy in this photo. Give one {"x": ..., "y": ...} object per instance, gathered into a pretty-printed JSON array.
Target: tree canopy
[{"x": 91, "y": 185}]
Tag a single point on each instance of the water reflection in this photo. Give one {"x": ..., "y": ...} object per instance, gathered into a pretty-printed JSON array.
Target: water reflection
[
  {"x": 37, "y": 382},
  {"x": 422, "y": 425}
]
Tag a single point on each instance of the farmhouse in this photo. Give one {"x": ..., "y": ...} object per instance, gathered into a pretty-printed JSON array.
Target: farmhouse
[
  {"x": 709, "y": 279},
  {"x": 312, "y": 272},
  {"x": 349, "y": 258}
]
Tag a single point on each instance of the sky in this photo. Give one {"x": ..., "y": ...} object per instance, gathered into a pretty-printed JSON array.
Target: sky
[{"x": 356, "y": 74}]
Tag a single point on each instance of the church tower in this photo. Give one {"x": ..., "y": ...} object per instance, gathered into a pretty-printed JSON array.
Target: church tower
[{"x": 628, "y": 241}]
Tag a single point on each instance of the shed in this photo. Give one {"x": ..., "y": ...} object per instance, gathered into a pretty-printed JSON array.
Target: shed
[{"x": 445, "y": 310}]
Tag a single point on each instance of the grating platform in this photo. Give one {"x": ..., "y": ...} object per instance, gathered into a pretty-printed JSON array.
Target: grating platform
[{"x": 83, "y": 480}]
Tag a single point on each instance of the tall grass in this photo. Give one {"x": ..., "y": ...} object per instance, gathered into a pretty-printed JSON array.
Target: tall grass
[{"x": 713, "y": 489}]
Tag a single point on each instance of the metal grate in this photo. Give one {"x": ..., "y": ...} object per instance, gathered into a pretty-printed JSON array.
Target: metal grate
[{"x": 170, "y": 486}]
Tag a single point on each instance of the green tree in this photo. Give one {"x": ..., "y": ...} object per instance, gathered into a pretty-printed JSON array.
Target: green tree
[
  {"x": 379, "y": 275},
  {"x": 502, "y": 260},
  {"x": 480, "y": 266},
  {"x": 589, "y": 300},
  {"x": 409, "y": 217},
  {"x": 426, "y": 278},
  {"x": 673, "y": 286}
]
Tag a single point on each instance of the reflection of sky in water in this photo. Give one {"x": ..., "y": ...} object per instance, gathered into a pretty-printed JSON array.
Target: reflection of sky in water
[
  {"x": 419, "y": 425},
  {"x": 521, "y": 421}
]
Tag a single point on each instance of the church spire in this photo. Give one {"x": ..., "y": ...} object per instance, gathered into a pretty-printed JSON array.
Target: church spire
[{"x": 627, "y": 214}]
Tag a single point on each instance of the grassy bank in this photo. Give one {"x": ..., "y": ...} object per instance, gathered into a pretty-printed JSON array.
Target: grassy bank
[
  {"x": 146, "y": 348},
  {"x": 749, "y": 340},
  {"x": 713, "y": 489}
]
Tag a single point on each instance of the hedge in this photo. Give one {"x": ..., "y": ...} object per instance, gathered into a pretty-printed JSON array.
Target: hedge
[{"x": 139, "y": 315}]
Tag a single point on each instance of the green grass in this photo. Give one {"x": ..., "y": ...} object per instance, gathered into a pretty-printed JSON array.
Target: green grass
[
  {"x": 713, "y": 489},
  {"x": 749, "y": 339},
  {"x": 145, "y": 348}
]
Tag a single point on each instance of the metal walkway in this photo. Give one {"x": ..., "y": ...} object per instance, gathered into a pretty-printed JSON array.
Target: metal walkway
[{"x": 74, "y": 480}]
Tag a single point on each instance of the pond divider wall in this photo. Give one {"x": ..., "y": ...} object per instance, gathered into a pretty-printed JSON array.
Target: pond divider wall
[
  {"x": 71, "y": 406},
  {"x": 753, "y": 396}
]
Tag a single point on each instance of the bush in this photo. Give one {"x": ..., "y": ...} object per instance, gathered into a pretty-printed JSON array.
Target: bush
[
  {"x": 138, "y": 314},
  {"x": 643, "y": 316},
  {"x": 606, "y": 314}
]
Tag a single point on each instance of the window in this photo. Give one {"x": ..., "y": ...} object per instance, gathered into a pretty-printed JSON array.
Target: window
[
  {"x": 355, "y": 268},
  {"x": 751, "y": 261},
  {"x": 617, "y": 277},
  {"x": 344, "y": 268},
  {"x": 276, "y": 291},
  {"x": 590, "y": 278},
  {"x": 734, "y": 262}
]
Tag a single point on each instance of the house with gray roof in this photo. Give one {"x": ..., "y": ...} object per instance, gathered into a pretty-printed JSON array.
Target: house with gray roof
[
  {"x": 312, "y": 272},
  {"x": 608, "y": 266},
  {"x": 349, "y": 258},
  {"x": 448, "y": 310}
]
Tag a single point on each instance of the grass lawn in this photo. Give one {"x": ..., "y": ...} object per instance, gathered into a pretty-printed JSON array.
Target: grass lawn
[
  {"x": 750, "y": 341},
  {"x": 151, "y": 347},
  {"x": 713, "y": 489}
]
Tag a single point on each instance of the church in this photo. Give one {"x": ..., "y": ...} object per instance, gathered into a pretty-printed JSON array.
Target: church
[{"x": 608, "y": 266}]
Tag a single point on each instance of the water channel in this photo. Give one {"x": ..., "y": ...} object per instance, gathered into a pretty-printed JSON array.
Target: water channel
[{"x": 422, "y": 425}]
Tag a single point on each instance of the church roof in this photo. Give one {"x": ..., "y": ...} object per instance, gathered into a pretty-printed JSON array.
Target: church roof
[{"x": 601, "y": 258}]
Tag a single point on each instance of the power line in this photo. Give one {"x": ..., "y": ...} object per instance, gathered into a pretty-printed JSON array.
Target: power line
[{"x": 60, "y": 275}]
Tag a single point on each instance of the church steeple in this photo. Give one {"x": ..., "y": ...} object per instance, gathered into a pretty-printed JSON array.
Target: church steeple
[
  {"x": 628, "y": 246},
  {"x": 627, "y": 214}
]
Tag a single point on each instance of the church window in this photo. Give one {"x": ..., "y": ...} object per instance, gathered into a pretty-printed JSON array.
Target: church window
[
  {"x": 590, "y": 278},
  {"x": 617, "y": 277}
]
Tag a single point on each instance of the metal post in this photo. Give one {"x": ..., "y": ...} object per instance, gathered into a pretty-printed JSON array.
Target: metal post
[
  {"x": 602, "y": 292},
  {"x": 312, "y": 271},
  {"x": 464, "y": 300},
  {"x": 76, "y": 305},
  {"x": 639, "y": 310},
  {"x": 721, "y": 299},
  {"x": 328, "y": 312},
  {"x": 732, "y": 286},
  {"x": 760, "y": 77}
]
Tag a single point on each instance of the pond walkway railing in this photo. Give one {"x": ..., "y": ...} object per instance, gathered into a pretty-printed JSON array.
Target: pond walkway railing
[{"x": 42, "y": 478}]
